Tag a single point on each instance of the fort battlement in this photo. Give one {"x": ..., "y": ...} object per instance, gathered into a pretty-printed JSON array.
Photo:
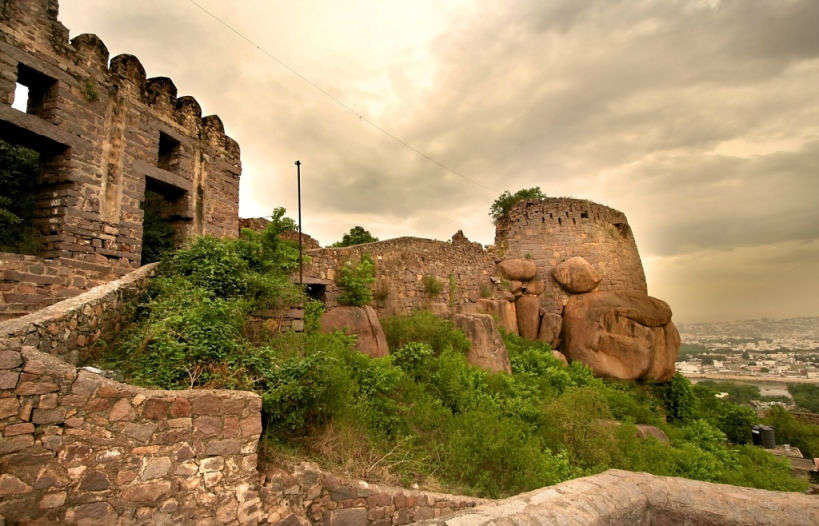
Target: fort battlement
[
  {"x": 553, "y": 229},
  {"x": 106, "y": 134}
]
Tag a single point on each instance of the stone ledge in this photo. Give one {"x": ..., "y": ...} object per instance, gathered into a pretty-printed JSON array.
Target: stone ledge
[{"x": 623, "y": 497}]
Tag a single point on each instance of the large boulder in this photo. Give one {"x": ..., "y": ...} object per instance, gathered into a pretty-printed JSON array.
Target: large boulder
[
  {"x": 550, "y": 326},
  {"x": 518, "y": 269},
  {"x": 488, "y": 350},
  {"x": 503, "y": 311},
  {"x": 527, "y": 308},
  {"x": 626, "y": 335},
  {"x": 361, "y": 321},
  {"x": 576, "y": 275}
]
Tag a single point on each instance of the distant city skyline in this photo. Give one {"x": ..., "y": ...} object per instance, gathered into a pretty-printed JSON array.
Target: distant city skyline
[{"x": 698, "y": 119}]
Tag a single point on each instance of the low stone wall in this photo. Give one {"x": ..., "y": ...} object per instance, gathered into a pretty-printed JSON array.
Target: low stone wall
[
  {"x": 29, "y": 283},
  {"x": 67, "y": 327},
  {"x": 79, "y": 448},
  {"x": 624, "y": 497},
  {"x": 306, "y": 495}
]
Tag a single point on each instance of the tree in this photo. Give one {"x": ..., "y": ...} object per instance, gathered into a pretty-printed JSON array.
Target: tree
[
  {"x": 507, "y": 200},
  {"x": 356, "y": 236}
]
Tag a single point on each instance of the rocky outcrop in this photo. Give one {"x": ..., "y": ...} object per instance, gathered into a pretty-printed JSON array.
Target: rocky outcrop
[
  {"x": 503, "y": 311},
  {"x": 528, "y": 313},
  {"x": 550, "y": 327},
  {"x": 576, "y": 275},
  {"x": 361, "y": 321},
  {"x": 561, "y": 357},
  {"x": 517, "y": 269},
  {"x": 625, "y": 335},
  {"x": 488, "y": 350}
]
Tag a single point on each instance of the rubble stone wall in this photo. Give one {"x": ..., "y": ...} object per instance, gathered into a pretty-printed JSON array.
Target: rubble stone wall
[
  {"x": 29, "y": 283},
  {"x": 67, "y": 328},
  {"x": 401, "y": 265},
  {"x": 304, "y": 493},
  {"x": 552, "y": 230},
  {"x": 105, "y": 132},
  {"x": 79, "y": 448}
]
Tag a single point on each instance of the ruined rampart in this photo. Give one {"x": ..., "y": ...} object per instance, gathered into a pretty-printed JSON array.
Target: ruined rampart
[
  {"x": 106, "y": 134},
  {"x": 401, "y": 266},
  {"x": 72, "y": 326},
  {"x": 78, "y": 448},
  {"x": 554, "y": 229}
]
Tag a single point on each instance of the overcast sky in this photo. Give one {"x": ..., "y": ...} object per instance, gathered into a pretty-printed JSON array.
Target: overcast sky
[{"x": 698, "y": 119}]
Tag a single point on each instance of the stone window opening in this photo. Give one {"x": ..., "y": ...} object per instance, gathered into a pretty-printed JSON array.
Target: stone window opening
[
  {"x": 316, "y": 291},
  {"x": 31, "y": 194},
  {"x": 584, "y": 215},
  {"x": 37, "y": 90},
  {"x": 164, "y": 221},
  {"x": 169, "y": 153}
]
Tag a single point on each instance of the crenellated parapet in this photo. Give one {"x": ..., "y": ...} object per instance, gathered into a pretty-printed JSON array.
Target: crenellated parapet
[{"x": 107, "y": 134}]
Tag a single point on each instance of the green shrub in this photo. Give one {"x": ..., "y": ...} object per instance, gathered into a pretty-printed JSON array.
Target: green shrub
[
  {"x": 357, "y": 236},
  {"x": 432, "y": 286},
  {"x": 313, "y": 310},
  {"x": 806, "y": 396},
  {"x": 485, "y": 291},
  {"x": 212, "y": 264},
  {"x": 424, "y": 327},
  {"x": 411, "y": 357},
  {"x": 790, "y": 430},
  {"x": 356, "y": 282},
  {"x": 507, "y": 200},
  {"x": 678, "y": 397}
]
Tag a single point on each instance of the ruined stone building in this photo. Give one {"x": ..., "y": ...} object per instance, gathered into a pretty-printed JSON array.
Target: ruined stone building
[
  {"x": 105, "y": 135},
  {"x": 563, "y": 271}
]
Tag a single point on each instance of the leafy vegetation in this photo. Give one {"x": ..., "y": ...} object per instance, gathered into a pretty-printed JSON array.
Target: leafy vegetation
[
  {"x": 501, "y": 206},
  {"x": 806, "y": 396},
  {"x": 432, "y": 286},
  {"x": 356, "y": 282},
  {"x": 790, "y": 430},
  {"x": 189, "y": 329},
  {"x": 356, "y": 236},
  {"x": 19, "y": 177},
  {"x": 423, "y": 413}
]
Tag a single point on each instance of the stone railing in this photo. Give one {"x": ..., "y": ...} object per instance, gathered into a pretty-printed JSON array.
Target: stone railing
[
  {"x": 65, "y": 328},
  {"x": 624, "y": 497},
  {"x": 306, "y": 494}
]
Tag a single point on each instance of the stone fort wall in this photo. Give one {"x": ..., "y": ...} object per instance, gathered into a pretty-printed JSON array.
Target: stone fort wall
[
  {"x": 105, "y": 133},
  {"x": 401, "y": 265},
  {"x": 552, "y": 230}
]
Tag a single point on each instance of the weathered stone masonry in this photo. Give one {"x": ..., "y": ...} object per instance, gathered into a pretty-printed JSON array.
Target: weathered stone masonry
[
  {"x": 401, "y": 265},
  {"x": 77, "y": 448},
  {"x": 554, "y": 229},
  {"x": 105, "y": 133}
]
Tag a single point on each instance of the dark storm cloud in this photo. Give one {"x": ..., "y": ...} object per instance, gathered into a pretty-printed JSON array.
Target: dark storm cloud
[{"x": 697, "y": 118}]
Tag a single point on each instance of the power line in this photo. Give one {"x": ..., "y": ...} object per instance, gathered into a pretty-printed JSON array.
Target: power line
[{"x": 335, "y": 99}]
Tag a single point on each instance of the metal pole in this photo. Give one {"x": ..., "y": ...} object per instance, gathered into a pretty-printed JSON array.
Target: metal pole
[{"x": 298, "y": 182}]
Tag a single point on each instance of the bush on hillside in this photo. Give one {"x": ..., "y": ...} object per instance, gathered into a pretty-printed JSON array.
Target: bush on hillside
[
  {"x": 805, "y": 396},
  {"x": 504, "y": 203},
  {"x": 424, "y": 327},
  {"x": 356, "y": 236},
  {"x": 356, "y": 282},
  {"x": 790, "y": 430}
]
